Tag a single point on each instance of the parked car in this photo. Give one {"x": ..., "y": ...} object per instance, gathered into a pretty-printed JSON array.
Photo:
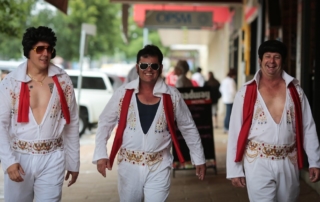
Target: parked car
[
  {"x": 7, "y": 66},
  {"x": 97, "y": 89}
]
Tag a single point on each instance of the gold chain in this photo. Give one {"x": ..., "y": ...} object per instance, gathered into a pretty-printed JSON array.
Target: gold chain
[{"x": 33, "y": 79}]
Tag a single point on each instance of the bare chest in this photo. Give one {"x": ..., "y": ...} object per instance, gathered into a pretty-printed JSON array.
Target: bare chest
[
  {"x": 40, "y": 96},
  {"x": 275, "y": 102}
]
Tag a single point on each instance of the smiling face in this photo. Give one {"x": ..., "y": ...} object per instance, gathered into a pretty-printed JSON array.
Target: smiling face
[
  {"x": 149, "y": 75},
  {"x": 39, "y": 61},
  {"x": 271, "y": 64}
]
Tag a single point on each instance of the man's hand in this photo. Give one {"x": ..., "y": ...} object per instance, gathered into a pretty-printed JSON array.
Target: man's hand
[
  {"x": 74, "y": 176},
  {"x": 201, "y": 171},
  {"x": 102, "y": 164},
  {"x": 239, "y": 182},
  {"x": 15, "y": 171},
  {"x": 314, "y": 174}
]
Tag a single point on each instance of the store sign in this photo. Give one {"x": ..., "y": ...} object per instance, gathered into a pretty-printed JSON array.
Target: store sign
[{"x": 178, "y": 19}]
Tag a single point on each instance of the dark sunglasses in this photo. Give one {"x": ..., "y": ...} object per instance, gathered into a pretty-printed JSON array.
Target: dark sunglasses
[
  {"x": 144, "y": 66},
  {"x": 40, "y": 49}
]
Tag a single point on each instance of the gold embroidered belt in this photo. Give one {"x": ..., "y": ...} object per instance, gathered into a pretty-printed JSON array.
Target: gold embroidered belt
[
  {"x": 139, "y": 157},
  {"x": 37, "y": 146},
  {"x": 273, "y": 152}
]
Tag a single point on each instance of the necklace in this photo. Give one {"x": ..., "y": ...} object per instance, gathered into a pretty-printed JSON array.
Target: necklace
[{"x": 37, "y": 80}]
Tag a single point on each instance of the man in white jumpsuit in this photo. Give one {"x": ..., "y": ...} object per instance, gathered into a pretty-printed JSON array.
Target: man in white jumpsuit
[
  {"x": 39, "y": 133},
  {"x": 270, "y": 162},
  {"x": 144, "y": 159}
]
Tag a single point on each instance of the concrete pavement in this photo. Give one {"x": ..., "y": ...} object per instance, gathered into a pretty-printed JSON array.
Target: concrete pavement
[{"x": 91, "y": 186}]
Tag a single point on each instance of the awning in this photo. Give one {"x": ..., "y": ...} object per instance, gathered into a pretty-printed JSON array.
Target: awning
[
  {"x": 220, "y": 14},
  {"x": 62, "y": 5}
]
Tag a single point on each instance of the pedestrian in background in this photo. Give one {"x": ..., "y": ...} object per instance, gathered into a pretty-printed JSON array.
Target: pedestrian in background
[
  {"x": 171, "y": 77},
  {"x": 228, "y": 92},
  {"x": 181, "y": 69},
  {"x": 271, "y": 125},
  {"x": 215, "y": 94},
  {"x": 146, "y": 109},
  {"x": 132, "y": 75},
  {"x": 39, "y": 130},
  {"x": 198, "y": 77}
]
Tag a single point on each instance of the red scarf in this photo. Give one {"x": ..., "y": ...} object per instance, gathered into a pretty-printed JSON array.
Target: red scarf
[
  {"x": 24, "y": 102},
  {"x": 248, "y": 107},
  {"x": 168, "y": 109}
]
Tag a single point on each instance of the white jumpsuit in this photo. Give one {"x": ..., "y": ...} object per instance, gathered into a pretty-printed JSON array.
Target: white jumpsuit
[
  {"x": 44, "y": 168},
  {"x": 271, "y": 178},
  {"x": 145, "y": 160}
]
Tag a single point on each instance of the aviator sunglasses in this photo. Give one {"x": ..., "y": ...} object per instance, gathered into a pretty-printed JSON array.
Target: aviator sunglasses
[
  {"x": 144, "y": 66},
  {"x": 40, "y": 49}
]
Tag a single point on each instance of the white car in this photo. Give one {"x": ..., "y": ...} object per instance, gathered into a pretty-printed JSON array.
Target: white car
[
  {"x": 8, "y": 66},
  {"x": 97, "y": 89}
]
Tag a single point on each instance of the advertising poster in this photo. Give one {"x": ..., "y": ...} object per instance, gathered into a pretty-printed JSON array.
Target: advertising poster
[{"x": 198, "y": 101}]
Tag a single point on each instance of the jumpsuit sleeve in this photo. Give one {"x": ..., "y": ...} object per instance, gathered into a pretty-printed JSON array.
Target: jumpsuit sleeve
[
  {"x": 188, "y": 130},
  {"x": 6, "y": 154},
  {"x": 311, "y": 141},
  {"x": 71, "y": 133},
  {"x": 107, "y": 121},
  {"x": 235, "y": 169}
]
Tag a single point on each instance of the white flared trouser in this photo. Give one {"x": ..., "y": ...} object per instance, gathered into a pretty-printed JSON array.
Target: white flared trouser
[
  {"x": 272, "y": 180},
  {"x": 43, "y": 179},
  {"x": 137, "y": 183}
]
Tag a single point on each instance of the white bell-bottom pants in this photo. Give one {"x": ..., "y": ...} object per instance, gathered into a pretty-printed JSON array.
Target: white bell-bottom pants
[
  {"x": 137, "y": 183},
  {"x": 43, "y": 178},
  {"x": 272, "y": 180}
]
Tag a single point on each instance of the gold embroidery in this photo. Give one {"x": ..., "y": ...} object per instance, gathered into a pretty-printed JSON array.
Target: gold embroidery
[
  {"x": 140, "y": 158},
  {"x": 14, "y": 96},
  {"x": 46, "y": 146},
  {"x": 259, "y": 114},
  {"x": 22, "y": 145},
  {"x": 153, "y": 158},
  {"x": 37, "y": 147},
  {"x": 161, "y": 124},
  {"x": 134, "y": 157},
  {"x": 131, "y": 118},
  {"x": 273, "y": 152}
]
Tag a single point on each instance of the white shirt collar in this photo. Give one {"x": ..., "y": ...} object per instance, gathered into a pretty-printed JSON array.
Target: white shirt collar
[
  {"x": 286, "y": 77},
  {"x": 20, "y": 73},
  {"x": 160, "y": 88}
]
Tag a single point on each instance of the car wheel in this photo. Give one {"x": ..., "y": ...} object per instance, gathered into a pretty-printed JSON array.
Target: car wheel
[{"x": 83, "y": 124}]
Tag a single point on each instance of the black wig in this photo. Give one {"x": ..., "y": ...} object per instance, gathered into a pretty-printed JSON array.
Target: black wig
[
  {"x": 151, "y": 50},
  {"x": 273, "y": 46},
  {"x": 34, "y": 35}
]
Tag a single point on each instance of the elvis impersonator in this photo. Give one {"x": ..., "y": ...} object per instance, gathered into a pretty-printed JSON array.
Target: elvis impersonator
[
  {"x": 39, "y": 133},
  {"x": 268, "y": 133},
  {"x": 146, "y": 109}
]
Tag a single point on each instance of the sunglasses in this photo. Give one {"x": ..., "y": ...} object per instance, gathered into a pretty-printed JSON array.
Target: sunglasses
[
  {"x": 40, "y": 49},
  {"x": 144, "y": 66}
]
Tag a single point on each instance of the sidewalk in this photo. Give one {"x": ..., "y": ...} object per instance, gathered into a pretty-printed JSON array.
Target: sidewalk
[{"x": 91, "y": 186}]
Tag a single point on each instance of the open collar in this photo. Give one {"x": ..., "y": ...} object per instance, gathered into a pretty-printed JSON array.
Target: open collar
[
  {"x": 160, "y": 88},
  {"x": 20, "y": 73},
  {"x": 286, "y": 77}
]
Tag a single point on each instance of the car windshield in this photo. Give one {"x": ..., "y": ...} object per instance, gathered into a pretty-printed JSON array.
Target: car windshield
[{"x": 94, "y": 83}]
